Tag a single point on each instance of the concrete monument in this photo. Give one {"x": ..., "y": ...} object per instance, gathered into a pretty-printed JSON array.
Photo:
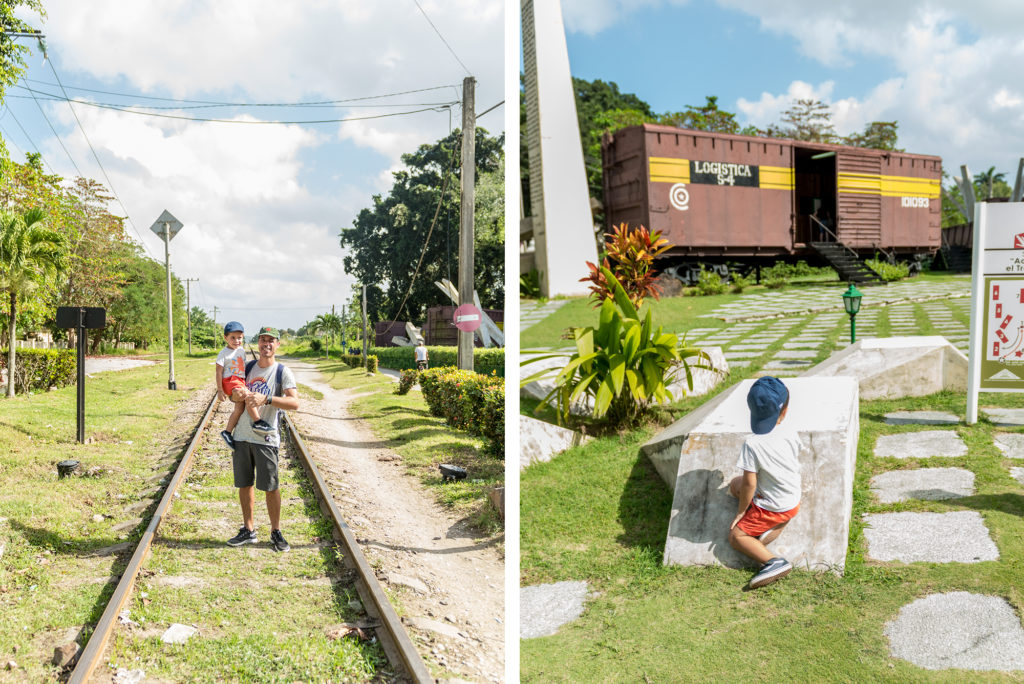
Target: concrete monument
[{"x": 704, "y": 446}]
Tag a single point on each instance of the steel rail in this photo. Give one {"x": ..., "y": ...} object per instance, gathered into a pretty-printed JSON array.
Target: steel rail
[
  {"x": 97, "y": 644},
  {"x": 369, "y": 588}
]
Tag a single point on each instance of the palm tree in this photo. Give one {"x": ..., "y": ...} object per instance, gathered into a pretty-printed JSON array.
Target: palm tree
[
  {"x": 29, "y": 252},
  {"x": 329, "y": 324},
  {"x": 988, "y": 178}
]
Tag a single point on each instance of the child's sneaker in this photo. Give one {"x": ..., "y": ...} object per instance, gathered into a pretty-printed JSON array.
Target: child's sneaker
[
  {"x": 262, "y": 427},
  {"x": 228, "y": 439},
  {"x": 773, "y": 570}
]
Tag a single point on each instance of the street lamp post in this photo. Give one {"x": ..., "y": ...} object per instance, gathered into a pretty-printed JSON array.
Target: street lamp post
[
  {"x": 166, "y": 226},
  {"x": 851, "y": 302}
]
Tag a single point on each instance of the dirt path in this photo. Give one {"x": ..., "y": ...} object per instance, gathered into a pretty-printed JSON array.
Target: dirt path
[{"x": 450, "y": 588}]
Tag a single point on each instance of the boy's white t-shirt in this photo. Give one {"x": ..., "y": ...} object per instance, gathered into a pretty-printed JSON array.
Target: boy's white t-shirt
[
  {"x": 233, "y": 361},
  {"x": 775, "y": 457},
  {"x": 421, "y": 353}
]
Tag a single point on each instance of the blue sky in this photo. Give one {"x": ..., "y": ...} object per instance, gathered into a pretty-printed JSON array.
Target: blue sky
[
  {"x": 944, "y": 70},
  {"x": 262, "y": 204}
]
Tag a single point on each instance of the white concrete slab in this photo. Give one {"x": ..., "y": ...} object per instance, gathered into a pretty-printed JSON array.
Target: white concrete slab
[
  {"x": 1010, "y": 443},
  {"x": 697, "y": 454},
  {"x": 894, "y": 367},
  {"x": 796, "y": 354},
  {"x": 958, "y": 630},
  {"x": 923, "y": 483},
  {"x": 539, "y": 442},
  {"x": 922, "y": 444},
  {"x": 1005, "y": 417},
  {"x": 1017, "y": 474},
  {"x": 544, "y": 608},
  {"x": 921, "y": 418},
  {"x": 957, "y": 537}
]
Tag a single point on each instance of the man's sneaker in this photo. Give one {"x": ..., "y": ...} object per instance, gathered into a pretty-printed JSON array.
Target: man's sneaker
[
  {"x": 277, "y": 541},
  {"x": 244, "y": 536},
  {"x": 775, "y": 569},
  {"x": 228, "y": 439},
  {"x": 262, "y": 427}
]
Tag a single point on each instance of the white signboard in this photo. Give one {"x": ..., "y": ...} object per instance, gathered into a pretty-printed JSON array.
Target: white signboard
[{"x": 997, "y": 303}]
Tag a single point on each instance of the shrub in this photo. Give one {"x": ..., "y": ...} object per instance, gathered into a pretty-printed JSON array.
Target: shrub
[
  {"x": 529, "y": 284},
  {"x": 739, "y": 283},
  {"x": 632, "y": 253},
  {"x": 485, "y": 361},
  {"x": 40, "y": 369},
  {"x": 408, "y": 378},
  {"x": 468, "y": 401},
  {"x": 316, "y": 345},
  {"x": 624, "y": 364},
  {"x": 710, "y": 283},
  {"x": 356, "y": 361},
  {"x": 774, "y": 283},
  {"x": 888, "y": 272}
]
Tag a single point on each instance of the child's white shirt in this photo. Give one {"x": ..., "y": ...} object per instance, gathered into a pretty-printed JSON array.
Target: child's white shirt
[
  {"x": 233, "y": 361},
  {"x": 775, "y": 457}
]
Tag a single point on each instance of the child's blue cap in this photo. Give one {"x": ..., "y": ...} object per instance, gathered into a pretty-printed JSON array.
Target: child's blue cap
[
  {"x": 233, "y": 326},
  {"x": 766, "y": 398}
]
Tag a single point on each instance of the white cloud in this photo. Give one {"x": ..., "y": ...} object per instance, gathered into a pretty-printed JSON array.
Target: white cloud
[{"x": 590, "y": 17}]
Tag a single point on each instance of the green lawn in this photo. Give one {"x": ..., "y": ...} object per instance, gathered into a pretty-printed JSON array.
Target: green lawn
[{"x": 600, "y": 513}]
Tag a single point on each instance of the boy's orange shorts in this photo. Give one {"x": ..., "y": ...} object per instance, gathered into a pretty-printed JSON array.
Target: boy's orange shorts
[
  {"x": 232, "y": 383},
  {"x": 756, "y": 521}
]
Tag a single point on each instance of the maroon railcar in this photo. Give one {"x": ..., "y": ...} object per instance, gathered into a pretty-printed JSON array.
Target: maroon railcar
[{"x": 719, "y": 197}]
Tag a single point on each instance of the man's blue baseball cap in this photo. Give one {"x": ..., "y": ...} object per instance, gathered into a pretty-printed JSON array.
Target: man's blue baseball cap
[
  {"x": 766, "y": 398},
  {"x": 233, "y": 326}
]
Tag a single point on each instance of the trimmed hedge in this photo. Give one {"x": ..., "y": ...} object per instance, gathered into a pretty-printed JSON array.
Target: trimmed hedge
[
  {"x": 468, "y": 401},
  {"x": 356, "y": 361},
  {"x": 485, "y": 361},
  {"x": 36, "y": 370}
]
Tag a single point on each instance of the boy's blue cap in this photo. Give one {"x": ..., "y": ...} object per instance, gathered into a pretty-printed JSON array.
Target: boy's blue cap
[
  {"x": 766, "y": 398},
  {"x": 233, "y": 326}
]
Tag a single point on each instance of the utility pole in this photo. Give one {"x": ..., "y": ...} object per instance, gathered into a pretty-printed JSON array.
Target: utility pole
[
  {"x": 188, "y": 309},
  {"x": 364, "y": 326},
  {"x": 342, "y": 328},
  {"x": 332, "y": 333},
  {"x": 466, "y": 254},
  {"x": 215, "y": 314}
]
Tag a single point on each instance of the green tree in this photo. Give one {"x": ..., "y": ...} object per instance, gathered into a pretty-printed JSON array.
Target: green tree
[
  {"x": 987, "y": 181},
  {"x": 30, "y": 252},
  {"x": 705, "y": 118},
  {"x": 387, "y": 240},
  {"x": 140, "y": 314},
  {"x": 327, "y": 324},
  {"x": 807, "y": 120},
  {"x": 879, "y": 135}
]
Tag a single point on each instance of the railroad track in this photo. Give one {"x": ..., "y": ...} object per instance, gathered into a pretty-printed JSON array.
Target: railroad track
[{"x": 382, "y": 619}]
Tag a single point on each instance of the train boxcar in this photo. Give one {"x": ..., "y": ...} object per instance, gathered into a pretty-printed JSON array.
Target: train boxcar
[{"x": 719, "y": 197}]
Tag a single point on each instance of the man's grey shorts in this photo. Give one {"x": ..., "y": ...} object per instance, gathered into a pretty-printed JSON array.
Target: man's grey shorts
[{"x": 249, "y": 458}]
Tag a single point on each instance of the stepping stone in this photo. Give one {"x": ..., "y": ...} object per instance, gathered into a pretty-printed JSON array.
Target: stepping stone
[
  {"x": 923, "y": 444},
  {"x": 921, "y": 418},
  {"x": 1010, "y": 443},
  {"x": 740, "y": 363},
  {"x": 1005, "y": 417},
  {"x": 1017, "y": 474},
  {"x": 802, "y": 344},
  {"x": 742, "y": 354},
  {"x": 544, "y": 608},
  {"x": 796, "y": 354},
  {"x": 787, "y": 364},
  {"x": 748, "y": 347},
  {"x": 958, "y": 630},
  {"x": 958, "y": 537},
  {"x": 933, "y": 484}
]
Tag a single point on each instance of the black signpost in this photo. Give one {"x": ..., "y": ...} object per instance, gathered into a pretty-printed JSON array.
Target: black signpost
[{"x": 81, "y": 318}]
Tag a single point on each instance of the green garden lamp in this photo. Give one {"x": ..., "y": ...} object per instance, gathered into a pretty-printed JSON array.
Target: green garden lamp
[{"x": 851, "y": 301}]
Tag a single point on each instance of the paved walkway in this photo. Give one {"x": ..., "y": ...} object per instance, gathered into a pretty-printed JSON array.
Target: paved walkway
[{"x": 530, "y": 311}]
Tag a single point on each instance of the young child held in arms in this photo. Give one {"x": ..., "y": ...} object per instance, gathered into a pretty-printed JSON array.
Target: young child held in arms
[
  {"x": 230, "y": 382},
  {"x": 769, "y": 488}
]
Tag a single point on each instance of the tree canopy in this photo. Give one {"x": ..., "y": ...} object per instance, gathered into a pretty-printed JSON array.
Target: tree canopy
[{"x": 385, "y": 242}]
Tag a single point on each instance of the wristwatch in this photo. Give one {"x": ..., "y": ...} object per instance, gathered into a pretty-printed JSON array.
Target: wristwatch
[{"x": 270, "y": 401}]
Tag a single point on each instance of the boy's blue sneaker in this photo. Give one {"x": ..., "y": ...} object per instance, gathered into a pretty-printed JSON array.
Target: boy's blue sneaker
[
  {"x": 228, "y": 439},
  {"x": 262, "y": 427},
  {"x": 775, "y": 569}
]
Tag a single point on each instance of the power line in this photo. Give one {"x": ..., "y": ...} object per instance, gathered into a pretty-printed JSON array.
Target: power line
[
  {"x": 30, "y": 141},
  {"x": 257, "y": 122},
  {"x": 52, "y": 96},
  {"x": 55, "y": 134},
  {"x": 489, "y": 109},
  {"x": 468, "y": 73},
  {"x": 98, "y": 162},
  {"x": 251, "y": 104}
]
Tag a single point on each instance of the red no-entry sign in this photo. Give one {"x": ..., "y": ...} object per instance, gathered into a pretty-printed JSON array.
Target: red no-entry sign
[{"x": 467, "y": 318}]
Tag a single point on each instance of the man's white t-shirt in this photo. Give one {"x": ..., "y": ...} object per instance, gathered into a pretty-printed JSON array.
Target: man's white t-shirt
[
  {"x": 264, "y": 381},
  {"x": 421, "y": 353},
  {"x": 775, "y": 457}
]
